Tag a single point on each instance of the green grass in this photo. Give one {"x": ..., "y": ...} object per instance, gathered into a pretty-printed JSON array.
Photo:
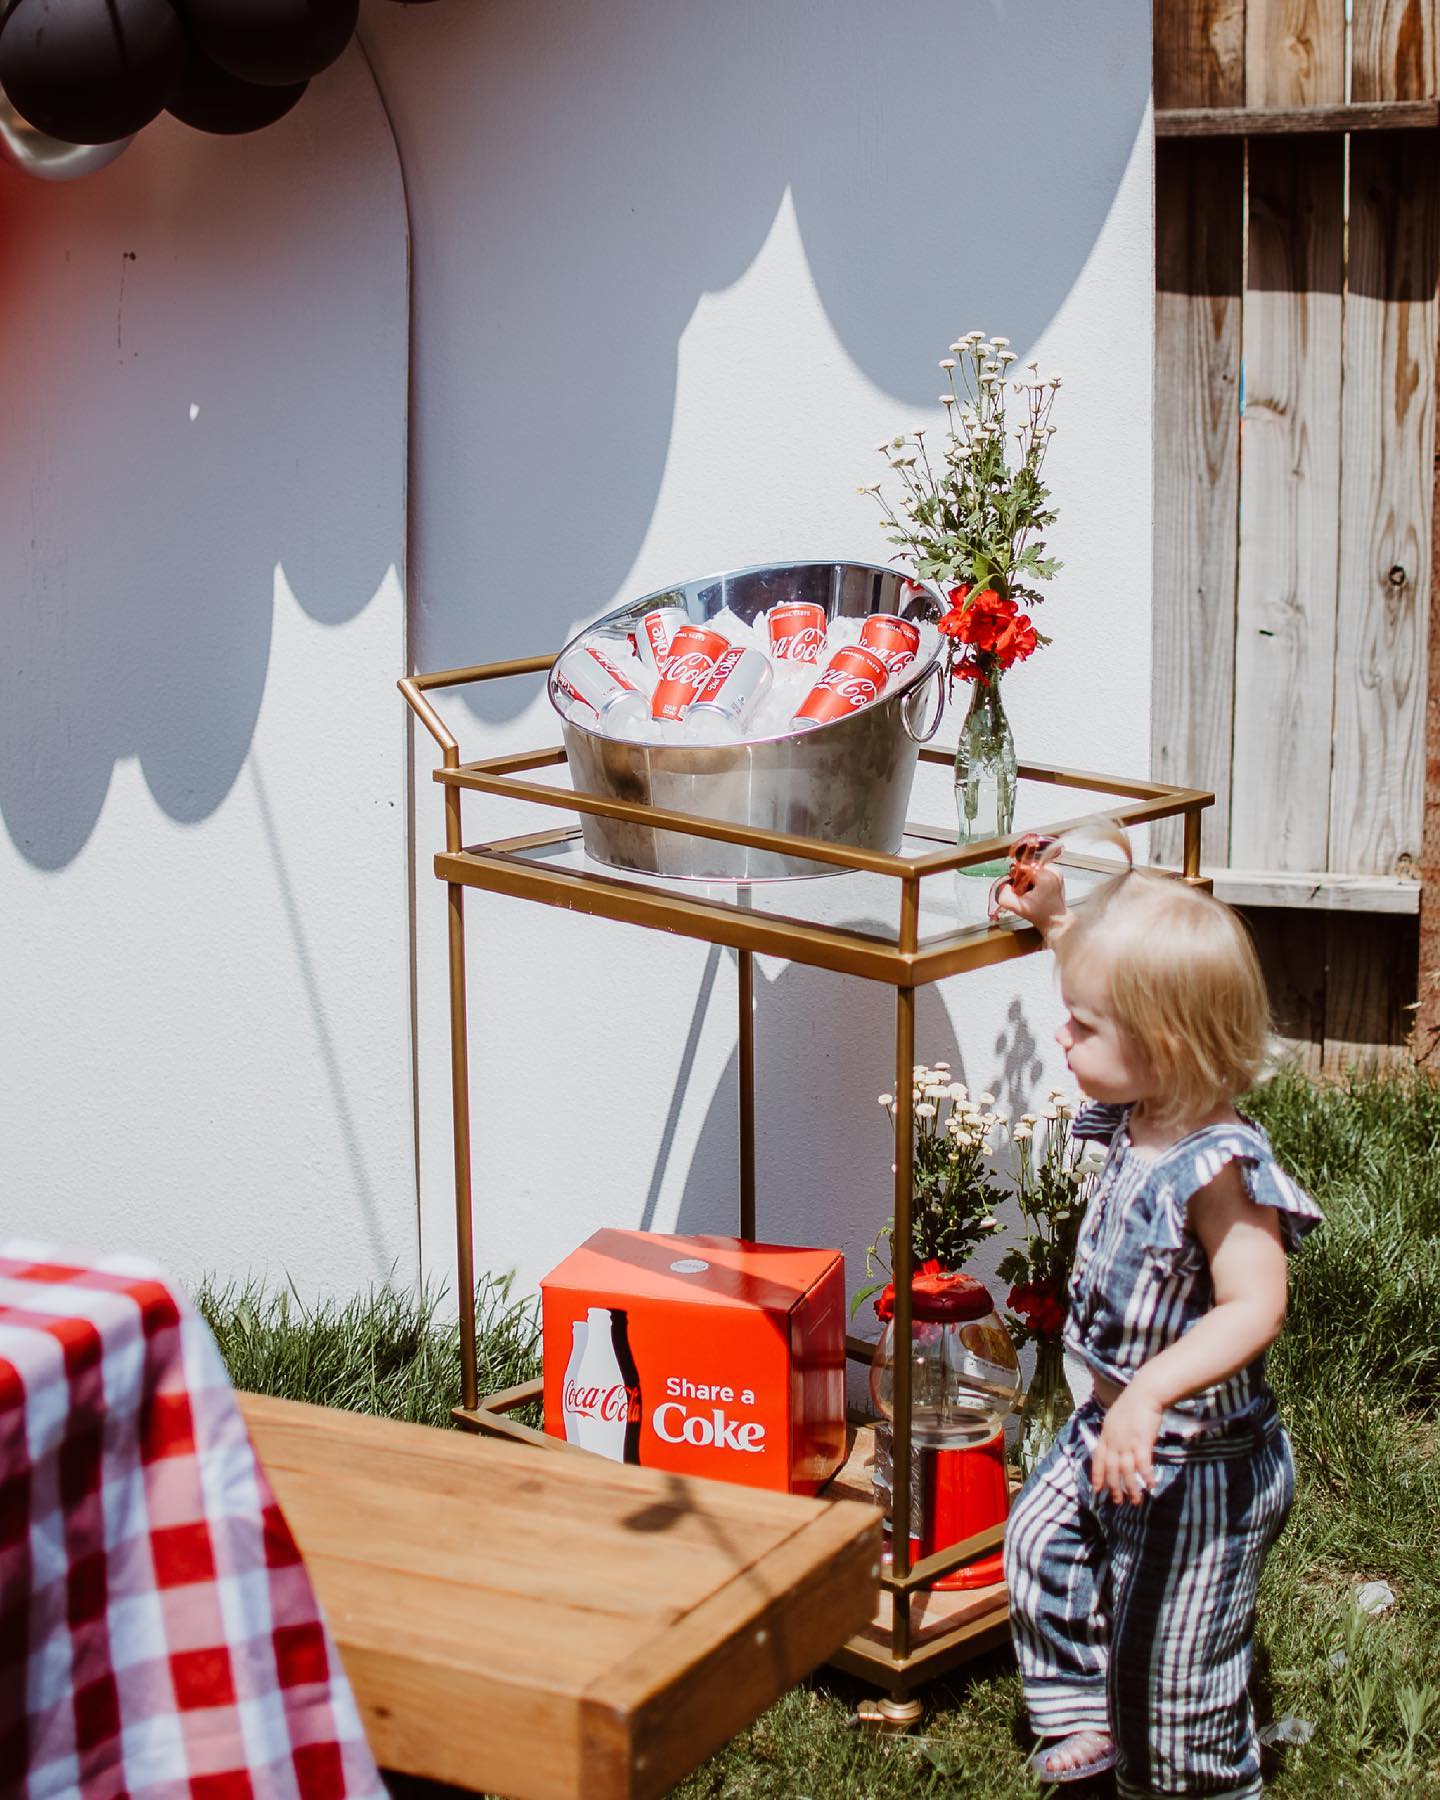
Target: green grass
[{"x": 1358, "y": 1376}]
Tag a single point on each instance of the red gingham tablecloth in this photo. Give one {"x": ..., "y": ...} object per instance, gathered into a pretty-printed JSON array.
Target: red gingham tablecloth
[{"x": 159, "y": 1636}]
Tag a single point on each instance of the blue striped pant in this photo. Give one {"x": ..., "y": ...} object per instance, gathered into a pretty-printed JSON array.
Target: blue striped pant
[{"x": 1137, "y": 1620}]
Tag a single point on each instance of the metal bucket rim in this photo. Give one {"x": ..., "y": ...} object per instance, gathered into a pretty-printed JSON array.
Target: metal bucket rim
[{"x": 637, "y": 606}]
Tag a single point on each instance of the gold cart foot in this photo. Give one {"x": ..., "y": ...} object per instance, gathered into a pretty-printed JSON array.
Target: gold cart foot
[{"x": 888, "y": 1716}]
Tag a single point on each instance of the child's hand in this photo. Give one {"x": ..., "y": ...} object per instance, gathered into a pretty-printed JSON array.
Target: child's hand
[
  {"x": 1122, "y": 1460},
  {"x": 1041, "y": 903}
]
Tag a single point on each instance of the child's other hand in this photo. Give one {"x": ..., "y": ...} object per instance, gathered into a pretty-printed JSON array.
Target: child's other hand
[{"x": 1122, "y": 1461}]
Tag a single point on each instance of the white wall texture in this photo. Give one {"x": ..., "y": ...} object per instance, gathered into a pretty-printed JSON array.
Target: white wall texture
[{"x": 677, "y": 268}]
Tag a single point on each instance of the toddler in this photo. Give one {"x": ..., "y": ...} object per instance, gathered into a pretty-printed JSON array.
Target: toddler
[{"x": 1135, "y": 1548}]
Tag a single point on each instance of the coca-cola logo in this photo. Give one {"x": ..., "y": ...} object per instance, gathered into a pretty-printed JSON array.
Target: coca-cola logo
[
  {"x": 894, "y": 659},
  {"x": 800, "y": 645},
  {"x": 676, "y": 1424},
  {"x": 610, "y": 669},
  {"x": 689, "y": 669},
  {"x": 855, "y": 690},
  {"x": 612, "y": 1404},
  {"x": 659, "y": 640}
]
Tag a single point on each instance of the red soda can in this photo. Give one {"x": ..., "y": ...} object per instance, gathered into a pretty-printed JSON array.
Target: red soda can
[
  {"x": 735, "y": 684},
  {"x": 654, "y": 633},
  {"x": 694, "y": 652},
  {"x": 797, "y": 630},
  {"x": 853, "y": 677},
  {"x": 894, "y": 640}
]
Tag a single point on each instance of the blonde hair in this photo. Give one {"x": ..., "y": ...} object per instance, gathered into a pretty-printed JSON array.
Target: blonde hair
[{"x": 1184, "y": 983}]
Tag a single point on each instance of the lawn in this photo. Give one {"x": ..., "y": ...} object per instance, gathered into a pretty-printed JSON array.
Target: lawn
[{"x": 1358, "y": 1376}]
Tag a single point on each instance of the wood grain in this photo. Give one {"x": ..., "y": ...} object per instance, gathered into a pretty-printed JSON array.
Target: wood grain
[
  {"x": 1370, "y": 967},
  {"x": 1291, "y": 948},
  {"x": 1199, "y": 48},
  {"x": 1292, "y": 121},
  {"x": 1392, "y": 50},
  {"x": 1294, "y": 52},
  {"x": 555, "y": 1626},
  {"x": 1289, "y": 493},
  {"x": 1427, "y": 1016},
  {"x": 1199, "y": 195},
  {"x": 1387, "y": 460}
]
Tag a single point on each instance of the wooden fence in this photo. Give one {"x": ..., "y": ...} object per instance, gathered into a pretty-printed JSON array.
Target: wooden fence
[{"x": 1297, "y": 253}]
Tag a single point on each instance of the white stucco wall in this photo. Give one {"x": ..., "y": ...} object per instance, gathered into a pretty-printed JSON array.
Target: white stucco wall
[
  {"x": 202, "y": 771},
  {"x": 677, "y": 267}
]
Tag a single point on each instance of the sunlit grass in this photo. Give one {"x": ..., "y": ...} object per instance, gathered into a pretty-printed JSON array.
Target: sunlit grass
[{"x": 1358, "y": 1376}]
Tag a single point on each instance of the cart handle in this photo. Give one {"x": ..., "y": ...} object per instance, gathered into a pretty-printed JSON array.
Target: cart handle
[{"x": 414, "y": 688}]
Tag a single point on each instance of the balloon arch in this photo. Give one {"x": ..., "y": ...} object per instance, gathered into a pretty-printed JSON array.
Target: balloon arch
[{"x": 79, "y": 78}]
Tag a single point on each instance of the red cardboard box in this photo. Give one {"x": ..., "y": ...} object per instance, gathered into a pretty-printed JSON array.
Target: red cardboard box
[{"x": 701, "y": 1355}]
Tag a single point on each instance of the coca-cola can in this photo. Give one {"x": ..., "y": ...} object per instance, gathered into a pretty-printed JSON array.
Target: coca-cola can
[
  {"x": 894, "y": 640},
  {"x": 797, "y": 631},
  {"x": 654, "y": 633},
  {"x": 589, "y": 675},
  {"x": 735, "y": 685},
  {"x": 694, "y": 652},
  {"x": 853, "y": 677}
]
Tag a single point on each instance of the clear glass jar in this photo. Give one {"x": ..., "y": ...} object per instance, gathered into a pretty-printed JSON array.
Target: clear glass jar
[{"x": 965, "y": 1375}]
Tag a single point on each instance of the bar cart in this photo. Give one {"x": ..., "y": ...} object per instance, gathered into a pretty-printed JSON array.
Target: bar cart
[{"x": 919, "y": 1632}]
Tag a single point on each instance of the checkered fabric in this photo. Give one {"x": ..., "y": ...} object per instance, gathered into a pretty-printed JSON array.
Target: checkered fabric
[{"x": 159, "y": 1636}]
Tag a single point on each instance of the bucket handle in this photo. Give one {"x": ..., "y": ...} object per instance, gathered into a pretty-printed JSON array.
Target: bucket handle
[{"x": 907, "y": 711}]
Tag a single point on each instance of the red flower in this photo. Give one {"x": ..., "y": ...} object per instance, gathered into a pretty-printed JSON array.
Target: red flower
[
  {"x": 1040, "y": 1305},
  {"x": 989, "y": 625}
]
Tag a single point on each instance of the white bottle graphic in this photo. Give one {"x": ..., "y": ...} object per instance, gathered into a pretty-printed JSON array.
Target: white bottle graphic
[{"x": 601, "y": 1402}]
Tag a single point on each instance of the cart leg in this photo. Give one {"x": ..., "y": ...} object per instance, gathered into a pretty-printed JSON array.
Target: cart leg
[
  {"x": 460, "y": 1119},
  {"x": 889, "y": 1716},
  {"x": 747, "y": 1095},
  {"x": 901, "y": 1248}
]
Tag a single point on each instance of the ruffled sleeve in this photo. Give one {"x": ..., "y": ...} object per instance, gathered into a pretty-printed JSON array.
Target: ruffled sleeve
[
  {"x": 1097, "y": 1123},
  {"x": 1195, "y": 1162}
]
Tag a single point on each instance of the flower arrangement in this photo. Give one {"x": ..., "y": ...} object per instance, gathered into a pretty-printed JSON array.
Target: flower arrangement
[
  {"x": 970, "y": 518},
  {"x": 1053, "y": 1171},
  {"x": 954, "y": 1191}
]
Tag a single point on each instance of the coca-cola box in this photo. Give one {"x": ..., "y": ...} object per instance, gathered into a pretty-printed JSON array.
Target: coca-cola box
[{"x": 701, "y": 1355}]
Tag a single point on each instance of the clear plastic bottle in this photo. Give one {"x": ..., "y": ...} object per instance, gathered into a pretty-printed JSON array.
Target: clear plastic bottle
[{"x": 965, "y": 1375}]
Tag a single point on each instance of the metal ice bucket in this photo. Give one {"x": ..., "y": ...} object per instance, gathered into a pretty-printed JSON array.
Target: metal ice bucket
[{"x": 847, "y": 782}]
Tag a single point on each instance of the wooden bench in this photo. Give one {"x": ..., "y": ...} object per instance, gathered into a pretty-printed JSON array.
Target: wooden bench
[{"x": 554, "y": 1625}]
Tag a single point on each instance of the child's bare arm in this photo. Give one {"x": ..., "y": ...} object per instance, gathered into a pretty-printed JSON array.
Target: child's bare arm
[
  {"x": 1247, "y": 1271},
  {"x": 1042, "y": 904}
]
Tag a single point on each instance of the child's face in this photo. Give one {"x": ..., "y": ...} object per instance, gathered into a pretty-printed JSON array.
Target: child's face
[{"x": 1106, "y": 1061}]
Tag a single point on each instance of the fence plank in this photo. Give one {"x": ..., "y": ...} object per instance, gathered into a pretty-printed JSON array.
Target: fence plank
[
  {"x": 1427, "y": 1017},
  {"x": 1392, "y": 50},
  {"x": 1294, "y": 52},
  {"x": 1369, "y": 989},
  {"x": 1387, "y": 437},
  {"x": 1289, "y": 490},
  {"x": 1199, "y": 53},
  {"x": 1291, "y": 947},
  {"x": 1199, "y": 192}
]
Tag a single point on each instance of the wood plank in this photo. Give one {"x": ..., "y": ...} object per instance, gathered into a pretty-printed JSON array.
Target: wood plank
[
  {"x": 1199, "y": 49},
  {"x": 1199, "y": 199},
  {"x": 1294, "y": 52},
  {"x": 1387, "y": 462},
  {"x": 1292, "y": 121},
  {"x": 1427, "y": 1016},
  {"x": 1289, "y": 491},
  {"x": 1291, "y": 948},
  {"x": 1369, "y": 991},
  {"x": 750, "y": 1641},
  {"x": 1392, "y": 49},
  {"x": 1317, "y": 892}
]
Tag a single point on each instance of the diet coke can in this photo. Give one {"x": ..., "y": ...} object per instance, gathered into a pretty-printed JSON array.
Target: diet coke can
[
  {"x": 853, "y": 678},
  {"x": 797, "y": 631},
  {"x": 654, "y": 633},
  {"x": 894, "y": 640},
  {"x": 694, "y": 652},
  {"x": 588, "y": 674},
  {"x": 735, "y": 685}
]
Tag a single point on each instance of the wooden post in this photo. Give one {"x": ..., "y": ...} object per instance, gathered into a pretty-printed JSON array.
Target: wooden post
[{"x": 1426, "y": 1037}]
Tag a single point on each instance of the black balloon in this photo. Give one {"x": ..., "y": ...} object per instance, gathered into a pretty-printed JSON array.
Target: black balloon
[
  {"x": 90, "y": 71},
  {"x": 273, "y": 43},
  {"x": 211, "y": 99}
]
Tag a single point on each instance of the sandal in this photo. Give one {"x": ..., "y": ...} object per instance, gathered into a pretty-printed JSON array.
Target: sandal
[{"x": 1086, "y": 1771}]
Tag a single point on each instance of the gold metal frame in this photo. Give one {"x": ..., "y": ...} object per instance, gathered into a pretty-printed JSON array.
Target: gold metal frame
[{"x": 903, "y": 962}]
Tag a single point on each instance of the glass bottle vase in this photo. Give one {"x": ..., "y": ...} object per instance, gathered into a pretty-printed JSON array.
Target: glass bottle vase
[
  {"x": 985, "y": 773},
  {"x": 1047, "y": 1405}
]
